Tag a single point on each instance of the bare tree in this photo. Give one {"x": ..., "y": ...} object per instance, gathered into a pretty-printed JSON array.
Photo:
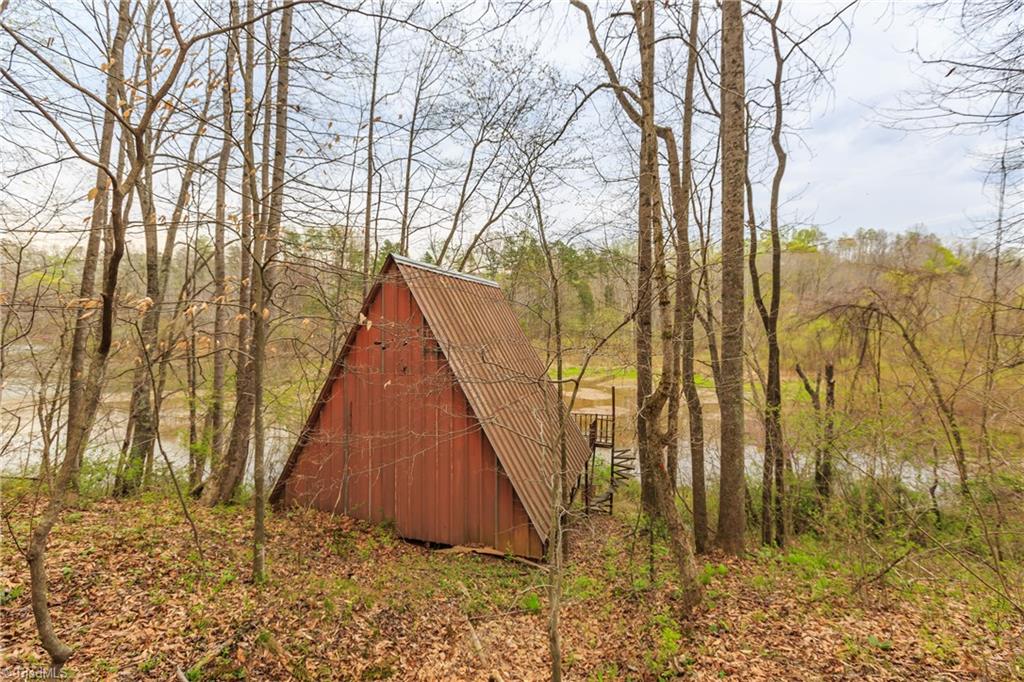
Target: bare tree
[
  {"x": 85, "y": 383},
  {"x": 254, "y": 190},
  {"x": 784, "y": 45},
  {"x": 371, "y": 123},
  {"x": 264, "y": 291},
  {"x": 559, "y": 450},
  {"x": 220, "y": 227},
  {"x": 685, "y": 302},
  {"x": 731, "y": 515},
  {"x": 825, "y": 417},
  {"x": 143, "y": 418},
  {"x": 658, "y": 493},
  {"x": 122, "y": 187}
]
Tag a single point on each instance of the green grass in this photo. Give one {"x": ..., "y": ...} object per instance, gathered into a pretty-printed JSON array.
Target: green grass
[
  {"x": 594, "y": 373},
  {"x": 599, "y": 373}
]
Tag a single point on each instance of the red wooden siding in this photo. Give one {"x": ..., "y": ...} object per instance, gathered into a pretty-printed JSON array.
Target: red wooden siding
[{"x": 396, "y": 440}]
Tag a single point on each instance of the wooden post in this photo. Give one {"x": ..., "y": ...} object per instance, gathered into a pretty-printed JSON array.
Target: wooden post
[{"x": 611, "y": 462}]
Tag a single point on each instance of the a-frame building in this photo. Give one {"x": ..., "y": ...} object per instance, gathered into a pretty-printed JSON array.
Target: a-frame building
[{"x": 437, "y": 416}]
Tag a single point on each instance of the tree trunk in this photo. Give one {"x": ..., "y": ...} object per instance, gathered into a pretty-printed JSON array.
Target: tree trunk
[
  {"x": 824, "y": 480},
  {"x": 678, "y": 539},
  {"x": 263, "y": 293},
  {"x": 731, "y": 516},
  {"x": 658, "y": 489},
  {"x": 559, "y": 492},
  {"x": 225, "y": 478},
  {"x": 144, "y": 437},
  {"x": 97, "y": 227},
  {"x": 773, "y": 481},
  {"x": 646, "y": 425},
  {"x": 144, "y": 407},
  {"x": 197, "y": 456},
  {"x": 216, "y": 440},
  {"x": 370, "y": 124},
  {"x": 685, "y": 306},
  {"x": 141, "y": 415},
  {"x": 987, "y": 443},
  {"x": 259, "y": 346},
  {"x": 75, "y": 447},
  {"x": 83, "y": 389}
]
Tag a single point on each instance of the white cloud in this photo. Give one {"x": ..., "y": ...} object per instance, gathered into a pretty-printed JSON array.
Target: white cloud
[{"x": 854, "y": 171}]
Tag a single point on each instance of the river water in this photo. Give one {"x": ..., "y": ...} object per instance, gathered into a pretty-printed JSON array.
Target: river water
[
  {"x": 21, "y": 443},
  {"x": 21, "y": 448}
]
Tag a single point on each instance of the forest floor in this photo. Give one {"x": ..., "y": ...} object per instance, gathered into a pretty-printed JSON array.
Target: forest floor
[{"x": 346, "y": 600}]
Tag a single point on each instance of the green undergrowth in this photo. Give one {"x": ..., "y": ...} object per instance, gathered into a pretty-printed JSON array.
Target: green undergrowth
[{"x": 849, "y": 555}]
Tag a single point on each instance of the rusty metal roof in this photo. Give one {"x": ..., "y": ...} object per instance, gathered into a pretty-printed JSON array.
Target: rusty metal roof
[
  {"x": 441, "y": 271},
  {"x": 503, "y": 378}
]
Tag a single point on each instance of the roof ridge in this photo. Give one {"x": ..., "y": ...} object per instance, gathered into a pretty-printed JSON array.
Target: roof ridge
[{"x": 405, "y": 260}]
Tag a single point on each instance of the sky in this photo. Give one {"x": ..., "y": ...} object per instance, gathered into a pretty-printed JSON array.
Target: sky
[
  {"x": 856, "y": 170},
  {"x": 850, "y": 167}
]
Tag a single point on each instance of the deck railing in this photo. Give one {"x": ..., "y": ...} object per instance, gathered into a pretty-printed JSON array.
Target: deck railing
[{"x": 599, "y": 429}]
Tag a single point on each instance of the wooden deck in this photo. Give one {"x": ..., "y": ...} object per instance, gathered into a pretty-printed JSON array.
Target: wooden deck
[{"x": 599, "y": 428}]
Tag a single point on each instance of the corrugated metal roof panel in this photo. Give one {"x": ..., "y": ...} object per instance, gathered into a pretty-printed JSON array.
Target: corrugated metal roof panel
[
  {"x": 442, "y": 271},
  {"x": 503, "y": 378}
]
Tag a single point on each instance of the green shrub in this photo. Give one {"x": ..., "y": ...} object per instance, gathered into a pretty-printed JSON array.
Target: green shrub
[{"x": 530, "y": 602}]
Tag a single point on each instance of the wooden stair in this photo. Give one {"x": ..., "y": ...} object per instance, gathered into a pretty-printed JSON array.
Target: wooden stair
[
  {"x": 623, "y": 466},
  {"x": 600, "y": 431},
  {"x": 601, "y": 504}
]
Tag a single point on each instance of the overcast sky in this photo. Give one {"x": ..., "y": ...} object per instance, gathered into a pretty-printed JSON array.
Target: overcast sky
[
  {"x": 860, "y": 173},
  {"x": 850, "y": 169},
  {"x": 853, "y": 169}
]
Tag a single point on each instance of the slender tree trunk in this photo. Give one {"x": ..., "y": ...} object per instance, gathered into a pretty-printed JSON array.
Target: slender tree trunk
[
  {"x": 731, "y": 515},
  {"x": 370, "y": 170},
  {"x": 558, "y": 484},
  {"x": 97, "y": 227},
  {"x": 219, "y": 268},
  {"x": 144, "y": 436},
  {"x": 679, "y": 539},
  {"x": 773, "y": 474},
  {"x": 645, "y": 424},
  {"x": 264, "y": 290},
  {"x": 141, "y": 416},
  {"x": 259, "y": 346},
  {"x": 144, "y": 407},
  {"x": 658, "y": 494},
  {"x": 83, "y": 389},
  {"x": 224, "y": 480},
  {"x": 774, "y": 449},
  {"x": 685, "y": 304},
  {"x": 251, "y": 217},
  {"x": 992, "y": 345},
  {"x": 144, "y": 433},
  {"x": 828, "y": 447},
  {"x": 197, "y": 456}
]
